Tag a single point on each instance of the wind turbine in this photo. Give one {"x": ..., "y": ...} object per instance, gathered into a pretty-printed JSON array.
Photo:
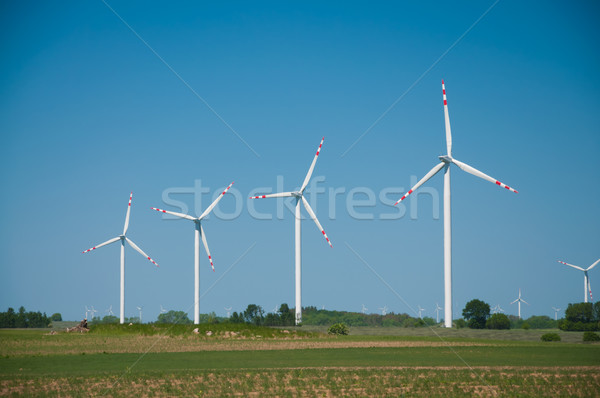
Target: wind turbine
[
  {"x": 124, "y": 239},
  {"x": 228, "y": 309},
  {"x": 586, "y": 280},
  {"x": 519, "y": 300},
  {"x": 445, "y": 162},
  {"x": 420, "y": 311},
  {"x": 437, "y": 312},
  {"x": 556, "y": 311},
  {"x": 198, "y": 232},
  {"x": 140, "y": 308},
  {"x": 86, "y": 312},
  {"x": 364, "y": 309},
  {"x": 299, "y": 195},
  {"x": 93, "y": 311},
  {"x": 497, "y": 309},
  {"x": 383, "y": 310},
  {"x": 109, "y": 311},
  {"x": 162, "y": 310}
]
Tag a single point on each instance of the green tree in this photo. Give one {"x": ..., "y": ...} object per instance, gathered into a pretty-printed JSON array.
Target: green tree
[
  {"x": 254, "y": 314},
  {"x": 236, "y": 318},
  {"x": 498, "y": 321},
  {"x": 174, "y": 317},
  {"x": 56, "y": 317},
  {"x": 286, "y": 315},
  {"x": 476, "y": 312},
  {"x": 21, "y": 319},
  {"x": 580, "y": 312}
]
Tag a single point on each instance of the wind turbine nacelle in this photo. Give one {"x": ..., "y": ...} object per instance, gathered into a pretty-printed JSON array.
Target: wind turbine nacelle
[{"x": 445, "y": 158}]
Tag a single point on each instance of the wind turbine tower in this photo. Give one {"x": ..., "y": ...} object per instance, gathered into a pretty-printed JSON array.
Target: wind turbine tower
[
  {"x": 586, "y": 279},
  {"x": 299, "y": 196},
  {"x": 445, "y": 162},
  {"x": 123, "y": 238},
  {"x": 519, "y": 300}
]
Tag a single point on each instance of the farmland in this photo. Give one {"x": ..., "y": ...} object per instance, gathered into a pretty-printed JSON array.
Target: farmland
[{"x": 246, "y": 361}]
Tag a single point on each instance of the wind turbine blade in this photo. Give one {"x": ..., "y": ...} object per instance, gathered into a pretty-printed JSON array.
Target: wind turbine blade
[
  {"x": 140, "y": 250},
  {"x": 431, "y": 173},
  {"x": 447, "y": 122},
  {"x": 593, "y": 265},
  {"x": 175, "y": 214},
  {"x": 273, "y": 195},
  {"x": 213, "y": 204},
  {"x": 477, "y": 173},
  {"x": 525, "y": 301},
  {"x": 206, "y": 247},
  {"x": 314, "y": 217},
  {"x": 571, "y": 265},
  {"x": 312, "y": 166},
  {"x": 108, "y": 242},
  {"x": 515, "y": 301},
  {"x": 127, "y": 216}
]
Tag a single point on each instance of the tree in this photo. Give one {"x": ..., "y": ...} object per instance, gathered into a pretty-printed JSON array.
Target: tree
[
  {"x": 56, "y": 317},
  {"x": 254, "y": 314},
  {"x": 236, "y": 318},
  {"x": 339, "y": 329},
  {"x": 175, "y": 317},
  {"x": 580, "y": 312},
  {"x": 286, "y": 315},
  {"x": 498, "y": 321},
  {"x": 476, "y": 313}
]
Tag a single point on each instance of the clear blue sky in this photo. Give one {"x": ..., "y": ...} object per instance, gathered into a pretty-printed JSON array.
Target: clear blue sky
[{"x": 89, "y": 113}]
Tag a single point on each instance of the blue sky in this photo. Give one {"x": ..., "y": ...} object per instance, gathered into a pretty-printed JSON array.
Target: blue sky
[{"x": 89, "y": 113}]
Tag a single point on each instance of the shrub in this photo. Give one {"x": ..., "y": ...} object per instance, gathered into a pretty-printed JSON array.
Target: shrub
[
  {"x": 498, "y": 321},
  {"x": 338, "y": 329},
  {"x": 550, "y": 337},
  {"x": 591, "y": 336},
  {"x": 525, "y": 326},
  {"x": 460, "y": 323}
]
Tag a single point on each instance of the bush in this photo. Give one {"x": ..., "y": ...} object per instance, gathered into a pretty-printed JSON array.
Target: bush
[
  {"x": 550, "y": 337},
  {"x": 498, "y": 321},
  {"x": 591, "y": 336},
  {"x": 460, "y": 323},
  {"x": 525, "y": 326},
  {"x": 338, "y": 329}
]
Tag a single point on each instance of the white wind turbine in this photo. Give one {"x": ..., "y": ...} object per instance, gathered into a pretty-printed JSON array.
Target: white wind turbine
[
  {"x": 364, "y": 309},
  {"x": 124, "y": 239},
  {"x": 162, "y": 310},
  {"x": 420, "y": 311},
  {"x": 140, "y": 308},
  {"x": 299, "y": 195},
  {"x": 519, "y": 300},
  {"x": 437, "y": 312},
  {"x": 383, "y": 310},
  {"x": 109, "y": 311},
  {"x": 445, "y": 162},
  {"x": 86, "y": 312},
  {"x": 228, "y": 309},
  {"x": 586, "y": 279},
  {"x": 198, "y": 232},
  {"x": 497, "y": 309},
  {"x": 93, "y": 311},
  {"x": 556, "y": 311}
]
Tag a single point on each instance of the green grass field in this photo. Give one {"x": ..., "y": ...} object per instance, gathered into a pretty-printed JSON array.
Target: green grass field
[{"x": 146, "y": 361}]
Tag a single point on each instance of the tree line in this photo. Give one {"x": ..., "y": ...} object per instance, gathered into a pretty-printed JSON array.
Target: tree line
[{"x": 23, "y": 319}]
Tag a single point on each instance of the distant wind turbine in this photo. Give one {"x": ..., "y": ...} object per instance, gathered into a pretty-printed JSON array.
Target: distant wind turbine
[
  {"x": 445, "y": 162},
  {"x": 228, "y": 309},
  {"x": 586, "y": 279},
  {"x": 140, "y": 310},
  {"x": 437, "y": 312},
  {"x": 556, "y": 311},
  {"x": 497, "y": 309},
  {"x": 299, "y": 195},
  {"x": 162, "y": 310},
  {"x": 520, "y": 300},
  {"x": 421, "y": 310},
  {"x": 124, "y": 239},
  {"x": 93, "y": 311},
  {"x": 109, "y": 311},
  {"x": 198, "y": 232},
  {"x": 384, "y": 310},
  {"x": 364, "y": 309}
]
